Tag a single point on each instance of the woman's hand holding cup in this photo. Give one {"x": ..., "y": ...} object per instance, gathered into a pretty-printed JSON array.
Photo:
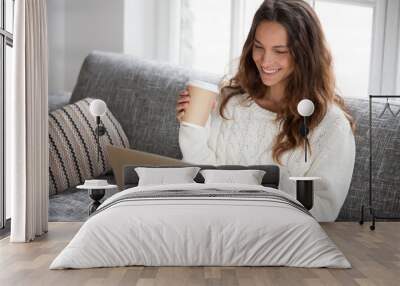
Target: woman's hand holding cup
[{"x": 196, "y": 102}]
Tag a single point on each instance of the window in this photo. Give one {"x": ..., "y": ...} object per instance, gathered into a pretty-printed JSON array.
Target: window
[
  {"x": 350, "y": 41},
  {"x": 213, "y": 34},
  {"x": 242, "y": 14},
  {"x": 6, "y": 43},
  {"x": 205, "y": 34}
]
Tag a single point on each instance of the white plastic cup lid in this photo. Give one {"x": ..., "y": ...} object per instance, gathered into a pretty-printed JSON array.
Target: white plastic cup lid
[{"x": 204, "y": 85}]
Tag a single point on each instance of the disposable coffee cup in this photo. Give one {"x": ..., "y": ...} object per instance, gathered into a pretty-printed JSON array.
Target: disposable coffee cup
[{"x": 202, "y": 96}]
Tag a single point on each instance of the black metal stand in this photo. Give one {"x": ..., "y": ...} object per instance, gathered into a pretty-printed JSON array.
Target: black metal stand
[
  {"x": 370, "y": 201},
  {"x": 96, "y": 195}
]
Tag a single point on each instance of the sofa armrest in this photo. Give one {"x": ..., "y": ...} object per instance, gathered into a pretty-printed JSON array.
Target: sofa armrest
[{"x": 58, "y": 100}]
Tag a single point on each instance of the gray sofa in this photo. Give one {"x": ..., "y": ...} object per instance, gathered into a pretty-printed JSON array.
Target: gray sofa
[{"x": 142, "y": 96}]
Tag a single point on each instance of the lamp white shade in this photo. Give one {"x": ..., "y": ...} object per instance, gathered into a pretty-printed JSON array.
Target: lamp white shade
[
  {"x": 98, "y": 107},
  {"x": 305, "y": 107}
]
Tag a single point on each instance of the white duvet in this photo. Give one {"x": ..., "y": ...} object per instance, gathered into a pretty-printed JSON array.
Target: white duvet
[{"x": 200, "y": 231}]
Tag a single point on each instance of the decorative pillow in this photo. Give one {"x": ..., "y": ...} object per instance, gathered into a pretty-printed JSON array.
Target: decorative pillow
[
  {"x": 248, "y": 177},
  {"x": 162, "y": 176},
  {"x": 72, "y": 145}
]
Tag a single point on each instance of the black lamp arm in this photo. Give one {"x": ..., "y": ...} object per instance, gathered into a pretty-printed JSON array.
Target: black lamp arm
[
  {"x": 304, "y": 132},
  {"x": 100, "y": 129}
]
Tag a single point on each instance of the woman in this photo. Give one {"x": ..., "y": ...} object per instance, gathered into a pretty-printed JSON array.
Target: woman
[{"x": 284, "y": 60}]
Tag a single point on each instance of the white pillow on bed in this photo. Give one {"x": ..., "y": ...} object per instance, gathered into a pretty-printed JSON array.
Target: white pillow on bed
[
  {"x": 162, "y": 176},
  {"x": 248, "y": 177}
]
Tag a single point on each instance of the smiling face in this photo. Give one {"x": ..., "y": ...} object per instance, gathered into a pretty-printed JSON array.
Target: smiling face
[{"x": 271, "y": 53}]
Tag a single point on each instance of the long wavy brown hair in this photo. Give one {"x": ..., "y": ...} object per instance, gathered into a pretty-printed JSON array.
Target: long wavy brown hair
[{"x": 311, "y": 78}]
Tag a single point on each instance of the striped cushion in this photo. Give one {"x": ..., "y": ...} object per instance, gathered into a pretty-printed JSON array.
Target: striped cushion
[{"x": 73, "y": 148}]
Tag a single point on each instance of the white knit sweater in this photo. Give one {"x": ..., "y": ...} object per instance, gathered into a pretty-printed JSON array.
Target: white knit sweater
[{"x": 247, "y": 138}]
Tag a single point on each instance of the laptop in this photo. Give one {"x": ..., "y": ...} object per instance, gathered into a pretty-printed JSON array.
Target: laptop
[{"x": 119, "y": 157}]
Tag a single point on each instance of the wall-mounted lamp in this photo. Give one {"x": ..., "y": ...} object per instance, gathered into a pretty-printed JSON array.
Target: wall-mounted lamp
[
  {"x": 305, "y": 108},
  {"x": 98, "y": 108}
]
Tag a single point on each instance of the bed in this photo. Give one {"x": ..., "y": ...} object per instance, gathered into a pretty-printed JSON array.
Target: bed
[{"x": 201, "y": 224}]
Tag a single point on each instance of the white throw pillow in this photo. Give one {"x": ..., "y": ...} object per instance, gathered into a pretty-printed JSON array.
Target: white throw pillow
[
  {"x": 248, "y": 177},
  {"x": 162, "y": 176}
]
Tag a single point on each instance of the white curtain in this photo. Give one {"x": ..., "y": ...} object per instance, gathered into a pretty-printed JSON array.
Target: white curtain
[{"x": 27, "y": 123}]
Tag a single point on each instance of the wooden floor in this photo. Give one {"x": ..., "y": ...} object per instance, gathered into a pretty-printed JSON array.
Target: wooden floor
[{"x": 374, "y": 255}]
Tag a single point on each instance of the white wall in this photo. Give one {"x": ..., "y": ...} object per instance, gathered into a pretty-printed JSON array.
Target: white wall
[
  {"x": 139, "y": 21},
  {"x": 398, "y": 66},
  {"x": 56, "y": 38},
  {"x": 396, "y": 9},
  {"x": 143, "y": 28},
  {"x": 76, "y": 28},
  {"x": 90, "y": 25},
  {"x": 391, "y": 49}
]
